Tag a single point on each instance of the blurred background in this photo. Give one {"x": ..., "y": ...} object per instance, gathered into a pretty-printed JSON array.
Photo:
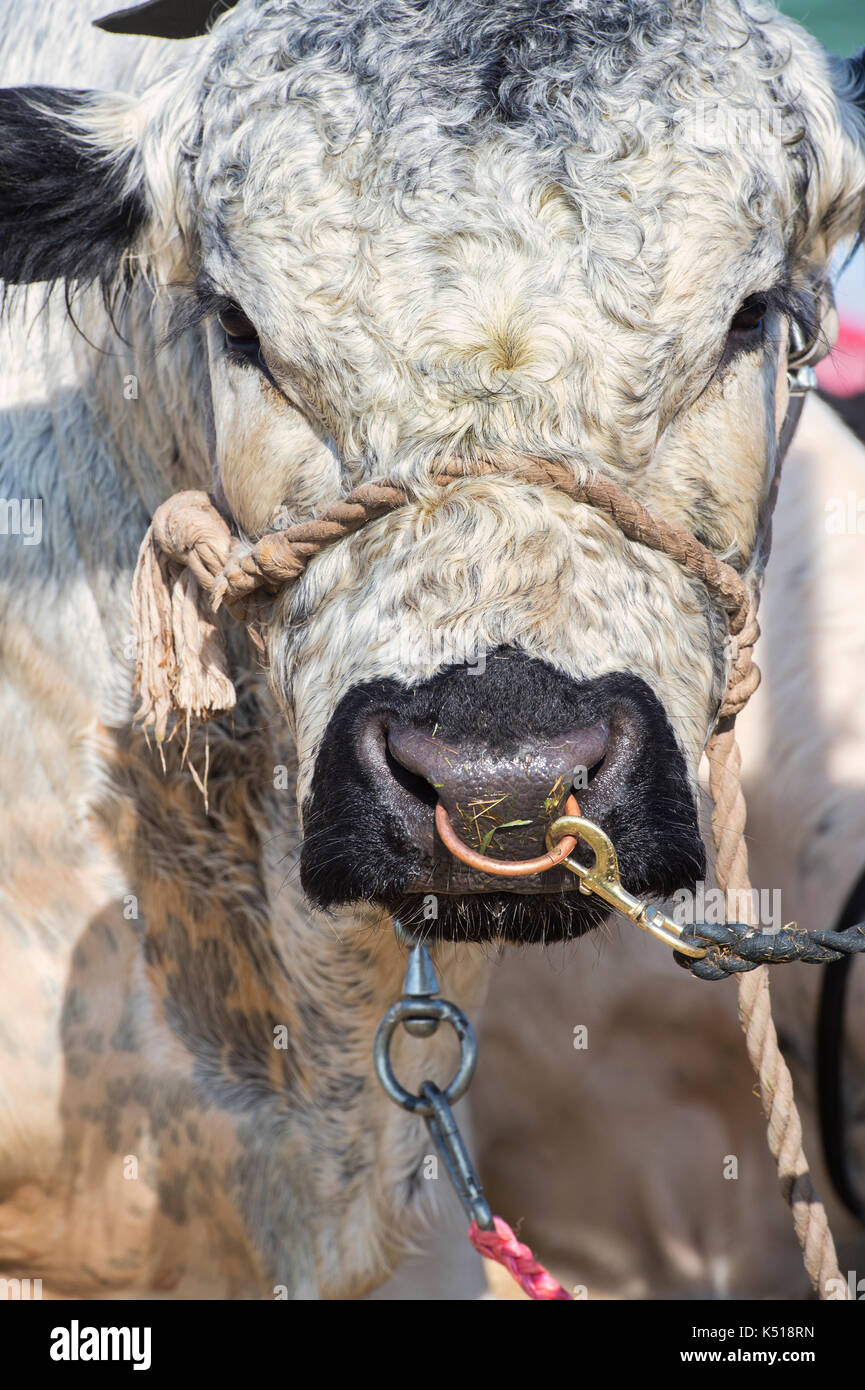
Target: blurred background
[
  {"x": 836, "y": 23},
  {"x": 840, "y": 26}
]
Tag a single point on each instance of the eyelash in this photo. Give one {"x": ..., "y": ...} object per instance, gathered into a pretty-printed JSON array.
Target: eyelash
[
  {"x": 246, "y": 352},
  {"x": 246, "y": 357}
]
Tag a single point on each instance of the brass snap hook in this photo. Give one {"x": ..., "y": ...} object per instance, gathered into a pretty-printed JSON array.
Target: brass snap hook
[{"x": 602, "y": 878}]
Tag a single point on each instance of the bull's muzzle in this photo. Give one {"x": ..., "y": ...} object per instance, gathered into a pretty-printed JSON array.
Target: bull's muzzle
[{"x": 499, "y": 752}]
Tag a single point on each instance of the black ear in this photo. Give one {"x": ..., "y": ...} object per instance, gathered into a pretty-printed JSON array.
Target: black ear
[
  {"x": 166, "y": 19},
  {"x": 65, "y": 210}
]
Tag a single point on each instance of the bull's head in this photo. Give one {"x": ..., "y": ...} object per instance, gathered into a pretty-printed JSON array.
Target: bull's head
[{"x": 422, "y": 231}]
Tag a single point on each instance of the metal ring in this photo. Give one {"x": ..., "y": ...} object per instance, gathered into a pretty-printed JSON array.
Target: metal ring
[
  {"x": 445, "y": 1012},
  {"x": 504, "y": 868}
]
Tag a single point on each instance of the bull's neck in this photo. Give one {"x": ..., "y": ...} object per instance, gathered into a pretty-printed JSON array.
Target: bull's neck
[{"x": 268, "y": 1010}]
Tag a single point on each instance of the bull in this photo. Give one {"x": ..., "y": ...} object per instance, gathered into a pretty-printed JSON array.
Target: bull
[{"x": 319, "y": 245}]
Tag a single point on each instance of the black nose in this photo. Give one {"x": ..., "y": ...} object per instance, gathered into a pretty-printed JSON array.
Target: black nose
[
  {"x": 500, "y": 803},
  {"x": 500, "y": 750}
]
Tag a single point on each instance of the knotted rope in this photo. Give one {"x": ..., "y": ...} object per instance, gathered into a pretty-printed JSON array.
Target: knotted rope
[
  {"x": 761, "y": 1039},
  {"x": 190, "y": 564}
]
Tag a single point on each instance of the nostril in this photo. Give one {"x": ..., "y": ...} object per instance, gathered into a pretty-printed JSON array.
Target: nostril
[
  {"x": 411, "y": 782},
  {"x": 585, "y": 776}
]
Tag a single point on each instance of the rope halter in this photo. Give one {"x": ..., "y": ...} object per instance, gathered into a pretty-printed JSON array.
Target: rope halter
[{"x": 190, "y": 564}]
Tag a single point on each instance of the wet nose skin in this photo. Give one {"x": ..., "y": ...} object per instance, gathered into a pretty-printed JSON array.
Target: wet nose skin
[{"x": 499, "y": 803}]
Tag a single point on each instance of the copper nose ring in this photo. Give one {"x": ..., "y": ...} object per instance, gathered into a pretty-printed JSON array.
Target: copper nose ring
[{"x": 506, "y": 868}]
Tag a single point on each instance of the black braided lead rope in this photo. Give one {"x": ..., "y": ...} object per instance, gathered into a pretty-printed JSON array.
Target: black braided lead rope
[{"x": 733, "y": 947}]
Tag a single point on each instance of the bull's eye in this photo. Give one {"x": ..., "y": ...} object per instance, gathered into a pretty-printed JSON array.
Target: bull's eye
[
  {"x": 749, "y": 320},
  {"x": 240, "y": 334}
]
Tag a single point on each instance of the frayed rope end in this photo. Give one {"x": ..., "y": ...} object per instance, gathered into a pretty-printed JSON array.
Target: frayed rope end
[{"x": 182, "y": 670}]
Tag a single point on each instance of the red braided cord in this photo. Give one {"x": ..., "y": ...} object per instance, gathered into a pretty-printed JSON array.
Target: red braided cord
[{"x": 502, "y": 1246}]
